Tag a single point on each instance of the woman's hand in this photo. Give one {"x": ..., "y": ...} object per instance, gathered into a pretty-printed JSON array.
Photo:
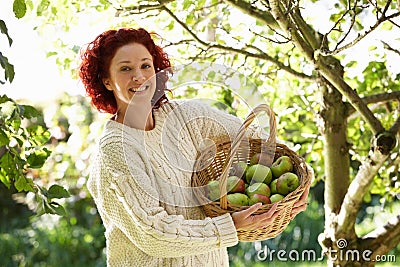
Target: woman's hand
[
  {"x": 300, "y": 205},
  {"x": 246, "y": 219}
]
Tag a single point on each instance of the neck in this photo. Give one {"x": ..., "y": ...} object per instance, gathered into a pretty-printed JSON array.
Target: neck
[{"x": 137, "y": 116}]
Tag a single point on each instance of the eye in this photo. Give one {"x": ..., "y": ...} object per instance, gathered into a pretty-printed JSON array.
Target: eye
[
  {"x": 125, "y": 68},
  {"x": 146, "y": 66}
]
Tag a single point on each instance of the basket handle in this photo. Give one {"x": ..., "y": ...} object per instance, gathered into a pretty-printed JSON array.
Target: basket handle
[{"x": 236, "y": 143}]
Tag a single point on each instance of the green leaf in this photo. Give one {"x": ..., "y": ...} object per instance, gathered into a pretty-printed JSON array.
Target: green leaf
[
  {"x": 211, "y": 75},
  {"x": 58, "y": 209},
  {"x": 4, "y": 178},
  {"x": 29, "y": 4},
  {"x": 52, "y": 53},
  {"x": 43, "y": 6},
  {"x": 8, "y": 68},
  {"x": 4, "y": 30},
  {"x": 29, "y": 111},
  {"x": 16, "y": 123},
  {"x": 38, "y": 158},
  {"x": 7, "y": 109},
  {"x": 4, "y": 140},
  {"x": 19, "y": 8},
  {"x": 57, "y": 191},
  {"x": 187, "y": 4},
  {"x": 38, "y": 134},
  {"x": 23, "y": 184}
]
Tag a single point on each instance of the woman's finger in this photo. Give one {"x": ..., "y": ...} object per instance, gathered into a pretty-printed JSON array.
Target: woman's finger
[
  {"x": 268, "y": 216},
  {"x": 303, "y": 198},
  {"x": 271, "y": 218},
  {"x": 297, "y": 210},
  {"x": 247, "y": 212}
]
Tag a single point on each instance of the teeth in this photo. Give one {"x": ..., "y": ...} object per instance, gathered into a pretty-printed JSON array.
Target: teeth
[{"x": 140, "y": 89}]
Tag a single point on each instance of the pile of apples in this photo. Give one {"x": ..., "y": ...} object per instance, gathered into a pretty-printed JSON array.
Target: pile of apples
[{"x": 255, "y": 182}]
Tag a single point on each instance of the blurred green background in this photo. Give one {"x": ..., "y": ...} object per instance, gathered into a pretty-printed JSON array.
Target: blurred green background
[{"x": 77, "y": 239}]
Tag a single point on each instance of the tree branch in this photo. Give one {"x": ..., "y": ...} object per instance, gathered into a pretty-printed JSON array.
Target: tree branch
[
  {"x": 262, "y": 56},
  {"x": 378, "y": 98},
  {"x": 360, "y": 36},
  {"x": 388, "y": 47},
  {"x": 254, "y": 12},
  {"x": 287, "y": 26},
  {"x": 383, "y": 239},
  {"x": 351, "y": 95},
  {"x": 357, "y": 189},
  {"x": 325, "y": 68},
  {"x": 395, "y": 127},
  {"x": 140, "y": 9}
]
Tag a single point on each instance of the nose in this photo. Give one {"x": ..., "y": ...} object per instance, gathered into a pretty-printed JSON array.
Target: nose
[{"x": 137, "y": 76}]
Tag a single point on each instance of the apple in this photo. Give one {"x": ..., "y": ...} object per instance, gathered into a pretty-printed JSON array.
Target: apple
[
  {"x": 258, "y": 174},
  {"x": 272, "y": 186},
  {"x": 275, "y": 198},
  {"x": 258, "y": 188},
  {"x": 238, "y": 199},
  {"x": 235, "y": 185},
  {"x": 261, "y": 158},
  {"x": 287, "y": 183},
  {"x": 259, "y": 198},
  {"x": 238, "y": 169},
  {"x": 212, "y": 190},
  {"x": 282, "y": 165}
]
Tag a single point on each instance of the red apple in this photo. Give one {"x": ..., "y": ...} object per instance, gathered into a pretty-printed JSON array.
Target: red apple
[
  {"x": 287, "y": 183},
  {"x": 258, "y": 188},
  {"x": 259, "y": 198},
  {"x": 235, "y": 185},
  {"x": 282, "y": 165}
]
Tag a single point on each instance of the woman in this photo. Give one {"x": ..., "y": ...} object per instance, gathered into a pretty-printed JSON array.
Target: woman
[{"x": 140, "y": 178}]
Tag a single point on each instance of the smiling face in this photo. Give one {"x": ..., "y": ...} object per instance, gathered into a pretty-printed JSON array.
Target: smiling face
[{"x": 131, "y": 76}]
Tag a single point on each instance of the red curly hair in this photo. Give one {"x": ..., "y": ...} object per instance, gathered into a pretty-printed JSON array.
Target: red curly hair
[{"x": 97, "y": 57}]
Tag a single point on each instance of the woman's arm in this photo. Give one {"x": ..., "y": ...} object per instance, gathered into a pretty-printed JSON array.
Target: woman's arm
[{"x": 127, "y": 199}]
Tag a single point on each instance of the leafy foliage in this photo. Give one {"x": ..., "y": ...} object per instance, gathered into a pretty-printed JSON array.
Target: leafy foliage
[{"x": 23, "y": 140}]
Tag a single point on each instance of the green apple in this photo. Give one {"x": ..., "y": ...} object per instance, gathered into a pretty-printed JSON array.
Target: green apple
[
  {"x": 282, "y": 165},
  {"x": 238, "y": 199},
  {"x": 258, "y": 174},
  {"x": 261, "y": 158},
  {"x": 272, "y": 186},
  {"x": 212, "y": 190},
  {"x": 287, "y": 183},
  {"x": 238, "y": 169},
  {"x": 258, "y": 188},
  {"x": 259, "y": 198},
  {"x": 275, "y": 198},
  {"x": 235, "y": 185}
]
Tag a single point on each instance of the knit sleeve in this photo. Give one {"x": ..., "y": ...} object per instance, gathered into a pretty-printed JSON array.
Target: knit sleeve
[
  {"x": 128, "y": 199},
  {"x": 208, "y": 123}
]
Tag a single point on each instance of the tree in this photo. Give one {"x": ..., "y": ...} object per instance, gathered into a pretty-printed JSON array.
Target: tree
[
  {"x": 342, "y": 115},
  {"x": 279, "y": 36}
]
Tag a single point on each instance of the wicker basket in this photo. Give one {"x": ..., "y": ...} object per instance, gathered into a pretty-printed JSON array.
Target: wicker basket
[{"x": 215, "y": 161}]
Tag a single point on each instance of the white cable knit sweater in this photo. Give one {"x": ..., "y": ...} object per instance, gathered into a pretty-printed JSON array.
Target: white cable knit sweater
[{"x": 140, "y": 182}]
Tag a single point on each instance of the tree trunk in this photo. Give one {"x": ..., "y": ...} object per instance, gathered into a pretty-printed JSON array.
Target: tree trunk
[{"x": 333, "y": 126}]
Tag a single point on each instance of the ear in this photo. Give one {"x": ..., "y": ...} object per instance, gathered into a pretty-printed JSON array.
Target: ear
[{"x": 107, "y": 84}]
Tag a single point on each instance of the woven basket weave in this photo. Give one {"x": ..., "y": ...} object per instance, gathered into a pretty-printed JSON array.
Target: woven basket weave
[{"x": 214, "y": 163}]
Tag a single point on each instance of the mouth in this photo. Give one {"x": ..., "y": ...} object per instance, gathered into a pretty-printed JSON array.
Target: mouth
[{"x": 140, "y": 89}]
